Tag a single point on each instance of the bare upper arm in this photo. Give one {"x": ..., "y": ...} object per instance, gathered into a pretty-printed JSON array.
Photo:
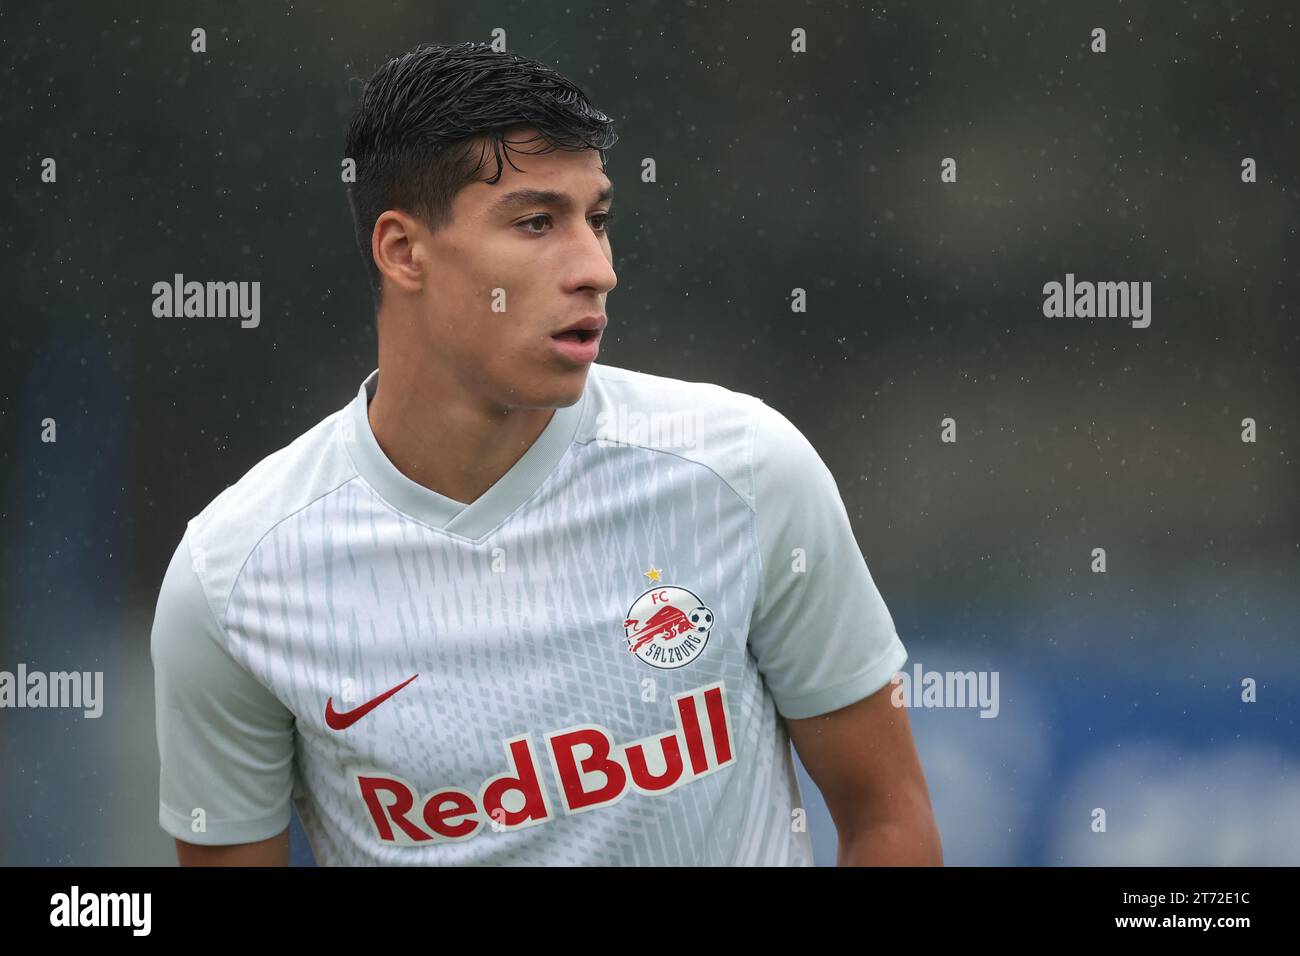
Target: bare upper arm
[
  {"x": 864, "y": 761},
  {"x": 272, "y": 852}
]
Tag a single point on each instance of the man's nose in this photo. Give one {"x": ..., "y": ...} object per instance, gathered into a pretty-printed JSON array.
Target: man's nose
[{"x": 595, "y": 271}]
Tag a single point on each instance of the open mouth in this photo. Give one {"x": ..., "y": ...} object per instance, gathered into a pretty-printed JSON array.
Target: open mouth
[{"x": 576, "y": 335}]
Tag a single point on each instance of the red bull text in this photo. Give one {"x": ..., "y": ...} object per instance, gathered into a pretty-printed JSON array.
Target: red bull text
[{"x": 700, "y": 744}]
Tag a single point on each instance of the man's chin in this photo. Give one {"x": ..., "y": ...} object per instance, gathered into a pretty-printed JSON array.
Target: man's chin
[
  {"x": 572, "y": 393},
  {"x": 555, "y": 391}
]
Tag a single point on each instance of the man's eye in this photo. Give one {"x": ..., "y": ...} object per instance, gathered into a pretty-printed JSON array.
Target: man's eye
[{"x": 536, "y": 225}]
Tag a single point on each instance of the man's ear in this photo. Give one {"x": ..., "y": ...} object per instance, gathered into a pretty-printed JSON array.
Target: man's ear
[{"x": 393, "y": 246}]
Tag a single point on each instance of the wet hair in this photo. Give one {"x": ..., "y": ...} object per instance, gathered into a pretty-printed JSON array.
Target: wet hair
[{"x": 423, "y": 115}]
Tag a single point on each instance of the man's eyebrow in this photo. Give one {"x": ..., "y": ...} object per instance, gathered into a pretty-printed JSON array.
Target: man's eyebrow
[{"x": 545, "y": 197}]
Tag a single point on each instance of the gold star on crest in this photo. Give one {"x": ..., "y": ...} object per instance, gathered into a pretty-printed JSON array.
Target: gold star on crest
[{"x": 652, "y": 574}]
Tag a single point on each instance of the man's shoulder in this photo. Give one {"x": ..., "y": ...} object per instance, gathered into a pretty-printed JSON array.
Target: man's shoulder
[
  {"x": 661, "y": 389},
  {"x": 703, "y": 422},
  {"x": 229, "y": 528}
]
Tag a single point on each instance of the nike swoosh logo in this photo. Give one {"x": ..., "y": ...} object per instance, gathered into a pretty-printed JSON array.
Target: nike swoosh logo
[{"x": 341, "y": 721}]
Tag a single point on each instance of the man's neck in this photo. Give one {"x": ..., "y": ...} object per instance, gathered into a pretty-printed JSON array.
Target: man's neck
[{"x": 448, "y": 440}]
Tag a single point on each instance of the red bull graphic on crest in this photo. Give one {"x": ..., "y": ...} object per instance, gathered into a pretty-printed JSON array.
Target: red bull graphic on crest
[{"x": 667, "y": 627}]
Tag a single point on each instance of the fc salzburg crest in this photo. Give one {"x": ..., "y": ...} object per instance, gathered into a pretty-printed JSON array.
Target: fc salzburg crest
[{"x": 667, "y": 627}]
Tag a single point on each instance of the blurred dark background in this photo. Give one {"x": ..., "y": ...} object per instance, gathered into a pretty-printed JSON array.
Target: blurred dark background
[{"x": 776, "y": 170}]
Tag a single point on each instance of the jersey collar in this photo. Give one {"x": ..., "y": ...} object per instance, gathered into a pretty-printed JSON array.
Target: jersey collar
[{"x": 485, "y": 513}]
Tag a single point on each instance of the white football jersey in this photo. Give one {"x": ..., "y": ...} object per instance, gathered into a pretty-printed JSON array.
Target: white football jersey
[{"x": 585, "y": 666}]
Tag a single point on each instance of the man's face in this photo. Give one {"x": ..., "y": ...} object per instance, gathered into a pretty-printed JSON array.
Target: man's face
[{"x": 521, "y": 260}]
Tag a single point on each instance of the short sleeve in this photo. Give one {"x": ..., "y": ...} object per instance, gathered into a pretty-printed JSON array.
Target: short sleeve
[
  {"x": 224, "y": 740},
  {"x": 821, "y": 632}
]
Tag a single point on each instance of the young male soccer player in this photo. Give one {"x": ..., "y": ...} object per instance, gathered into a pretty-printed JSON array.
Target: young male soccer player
[{"x": 481, "y": 614}]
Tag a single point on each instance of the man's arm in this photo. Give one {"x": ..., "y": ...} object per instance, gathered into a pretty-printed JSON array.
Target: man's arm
[
  {"x": 864, "y": 761},
  {"x": 826, "y": 646},
  {"x": 272, "y": 852}
]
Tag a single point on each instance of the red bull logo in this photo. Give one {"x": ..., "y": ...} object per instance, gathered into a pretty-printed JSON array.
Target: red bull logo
[
  {"x": 591, "y": 770},
  {"x": 667, "y": 627}
]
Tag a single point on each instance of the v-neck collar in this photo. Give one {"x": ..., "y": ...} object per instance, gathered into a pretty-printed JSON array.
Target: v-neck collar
[{"x": 486, "y": 512}]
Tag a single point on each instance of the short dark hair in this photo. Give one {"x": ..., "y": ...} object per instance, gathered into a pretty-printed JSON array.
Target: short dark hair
[{"x": 420, "y": 104}]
